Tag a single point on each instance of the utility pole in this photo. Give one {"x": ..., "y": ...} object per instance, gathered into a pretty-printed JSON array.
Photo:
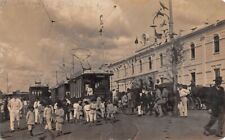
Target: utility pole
[
  {"x": 101, "y": 31},
  {"x": 56, "y": 77},
  {"x": 7, "y": 83},
  {"x": 170, "y": 20},
  {"x": 73, "y": 64},
  {"x": 174, "y": 63}
]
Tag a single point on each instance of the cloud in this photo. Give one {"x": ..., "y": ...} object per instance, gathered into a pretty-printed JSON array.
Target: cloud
[{"x": 33, "y": 48}]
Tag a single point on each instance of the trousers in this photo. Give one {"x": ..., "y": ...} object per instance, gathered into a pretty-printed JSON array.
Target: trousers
[
  {"x": 182, "y": 106},
  {"x": 14, "y": 115},
  {"x": 158, "y": 109},
  {"x": 58, "y": 126},
  {"x": 48, "y": 124},
  {"x": 93, "y": 116},
  {"x": 103, "y": 112},
  {"x": 30, "y": 127},
  {"x": 76, "y": 114},
  {"x": 140, "y": 110},
  {"x": 213, "y": 120},
  {"x": 36, "y": 115},
  {"x": 87, "y": 115}
]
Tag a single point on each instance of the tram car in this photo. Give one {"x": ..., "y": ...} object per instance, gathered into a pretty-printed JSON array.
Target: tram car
[
  {"x": 97, "y": 80},
  {"x": 39, "y": 91},
  {"x": 61, "y": 91}
]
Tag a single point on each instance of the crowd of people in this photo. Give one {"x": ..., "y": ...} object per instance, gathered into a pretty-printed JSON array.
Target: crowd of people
[
  {"x": 154, "y": 99},
  {"x": 52, "y": 116},
  {"x": 4, "y": 107},
  {"x": 146, "y": 100}
]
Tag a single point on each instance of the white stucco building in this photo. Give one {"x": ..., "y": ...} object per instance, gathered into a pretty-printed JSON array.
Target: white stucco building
[{"x": 203, "y": 59}]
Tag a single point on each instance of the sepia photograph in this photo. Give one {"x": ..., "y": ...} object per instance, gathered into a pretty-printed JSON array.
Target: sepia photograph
[{"x": 112, "y": 69}]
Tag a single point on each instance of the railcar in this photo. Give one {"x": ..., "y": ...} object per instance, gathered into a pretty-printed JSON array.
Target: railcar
[
  {"x": 98, "y": 80},
  {"x": 40, "y": 92}
]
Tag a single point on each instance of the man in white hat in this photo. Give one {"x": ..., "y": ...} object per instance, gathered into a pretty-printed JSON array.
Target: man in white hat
[{"x": 14, "y": 106}]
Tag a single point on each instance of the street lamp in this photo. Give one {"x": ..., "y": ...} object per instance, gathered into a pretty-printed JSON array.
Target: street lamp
[{"x": 169, "y": 34}]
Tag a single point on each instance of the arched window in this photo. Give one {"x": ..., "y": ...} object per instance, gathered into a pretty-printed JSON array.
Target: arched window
[
  {"x": 161, "y": 59},
  {"x": 217, "y": 72},
  {"x": 118, "y": 73},
  {"x": 193, "y": 77},
  {"x": 216, "y": 41},
  {"x": 150, "y": 62},
  {"x": 125, "y": 70},
  {"x": 162, "y": 80},
  {"x": 140, "y": 66},
  {"x": 192, "y": 51},
  {"x": 132, "y": 67}
]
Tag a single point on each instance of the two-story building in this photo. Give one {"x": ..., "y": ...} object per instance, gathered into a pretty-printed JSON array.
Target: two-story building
[{"x": 203, "y": 52}]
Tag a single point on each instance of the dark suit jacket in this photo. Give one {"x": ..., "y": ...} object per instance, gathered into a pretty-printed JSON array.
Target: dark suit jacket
[{"x": 216, "y": 100}]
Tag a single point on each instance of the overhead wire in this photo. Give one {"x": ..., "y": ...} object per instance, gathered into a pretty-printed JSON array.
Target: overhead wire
[
  {"x": 3, "y": 3},
  {"x": 103, "y": 24}
]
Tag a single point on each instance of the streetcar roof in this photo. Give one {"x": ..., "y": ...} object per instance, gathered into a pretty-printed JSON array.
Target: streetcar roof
[{"x": 88, "y": 72}]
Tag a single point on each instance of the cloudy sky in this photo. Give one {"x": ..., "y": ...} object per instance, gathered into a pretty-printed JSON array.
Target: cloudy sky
[{"x": 32, "y": 47}]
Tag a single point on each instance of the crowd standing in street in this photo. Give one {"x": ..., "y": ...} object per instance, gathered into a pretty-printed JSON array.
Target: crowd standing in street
[{"x": 145, "y": 100}]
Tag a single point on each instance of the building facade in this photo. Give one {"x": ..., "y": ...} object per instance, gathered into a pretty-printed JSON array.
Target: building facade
[
  {"x": 38, "y": 91},
  {"x": 203, "y": 58}
]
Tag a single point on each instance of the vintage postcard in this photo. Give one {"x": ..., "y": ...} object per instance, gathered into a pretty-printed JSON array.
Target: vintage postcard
[{"x": 112, "y": 69}]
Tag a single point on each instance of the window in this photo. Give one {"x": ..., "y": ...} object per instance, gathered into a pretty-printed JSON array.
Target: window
[
  {"x": 192, "y": 51},
  {"x": 193, "y": 77},
  {"x": 161, "y": 79},
  {"x": 161, "y": 59},
  {"x": 217, "y": 72},
  {"x": 140, "y": 66},
  {"x": 125, "y": 71},
  {"x": 132, "y": 67},
  {"x": 216, "y": 43},
  {"x": 150, "y": 63}
]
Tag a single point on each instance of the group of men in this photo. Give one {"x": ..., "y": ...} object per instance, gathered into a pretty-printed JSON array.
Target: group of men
[
  {"x": 152, "y": 99},
  {"x": 95, "y": 109},
  {"x": 155, "y": 100},
  {"x": 47, "y": 114}
]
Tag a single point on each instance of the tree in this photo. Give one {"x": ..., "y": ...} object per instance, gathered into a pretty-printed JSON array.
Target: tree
[{"x": 175, "y": 57}]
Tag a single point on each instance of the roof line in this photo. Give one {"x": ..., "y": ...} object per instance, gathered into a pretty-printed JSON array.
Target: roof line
[{"x": 139, "y": 52}]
